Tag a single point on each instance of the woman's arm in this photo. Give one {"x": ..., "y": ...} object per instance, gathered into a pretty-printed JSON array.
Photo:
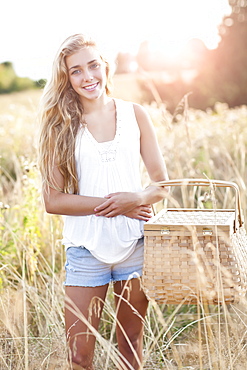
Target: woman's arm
[
  {"x": 57, "y": 202},
  {"x": 150, "y": 150},
  {"x": 123, "y": 202}
]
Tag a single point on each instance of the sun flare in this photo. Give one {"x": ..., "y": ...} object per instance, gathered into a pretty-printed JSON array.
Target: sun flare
[{"x": 177, "y": 22}]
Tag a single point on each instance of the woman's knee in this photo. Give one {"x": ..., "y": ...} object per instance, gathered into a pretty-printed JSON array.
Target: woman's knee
[
  {"x": 81, "y": 352},
  {"x": 130, "y": 340},
  {"x": 81, "y": 360}
]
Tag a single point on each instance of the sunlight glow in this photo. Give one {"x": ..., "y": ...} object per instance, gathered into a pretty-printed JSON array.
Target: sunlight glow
[
  {"x": 121, "y": 26},
  {"x": 182, "y": 21}
]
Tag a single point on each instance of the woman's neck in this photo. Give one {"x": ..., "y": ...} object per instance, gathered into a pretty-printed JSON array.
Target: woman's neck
[{"x": 90, "y": 106}]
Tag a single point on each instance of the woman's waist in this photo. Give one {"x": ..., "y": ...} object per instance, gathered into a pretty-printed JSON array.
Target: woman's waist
[{"x": 99, "y": 227}]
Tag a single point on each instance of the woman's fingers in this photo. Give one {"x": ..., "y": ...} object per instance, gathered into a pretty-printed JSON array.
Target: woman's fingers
[
  {"x": 117, "y": 204},
  {"x": 123, "y": 204},
  {"x": 143, "y": 213}
]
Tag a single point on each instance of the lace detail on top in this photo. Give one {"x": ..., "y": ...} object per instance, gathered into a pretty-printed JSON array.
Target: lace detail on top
[{"x": 107, "y": 150}]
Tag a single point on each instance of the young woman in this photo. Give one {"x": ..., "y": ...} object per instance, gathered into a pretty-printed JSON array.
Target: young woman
[{"x": 90, "y": 146}]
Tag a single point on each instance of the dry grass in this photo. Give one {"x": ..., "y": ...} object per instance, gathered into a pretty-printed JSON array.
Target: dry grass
[{"x": 194, "y": 143}]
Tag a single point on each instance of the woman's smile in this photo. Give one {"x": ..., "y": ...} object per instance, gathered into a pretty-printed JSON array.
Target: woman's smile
[{"x": 91, "y": 87}]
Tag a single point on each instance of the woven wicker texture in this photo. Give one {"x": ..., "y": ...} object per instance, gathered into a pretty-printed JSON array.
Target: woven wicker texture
[
  {"x": 194, "y": 217},
  {"x": 195, "y": 254}
]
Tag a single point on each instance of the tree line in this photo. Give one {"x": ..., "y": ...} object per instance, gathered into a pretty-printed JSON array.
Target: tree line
[
  {"x": 10, "y": 82},
  {"x": 216, "y": 75}
]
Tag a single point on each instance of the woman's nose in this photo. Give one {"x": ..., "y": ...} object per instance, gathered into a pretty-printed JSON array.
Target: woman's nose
[{"x": 87, "y": 76}]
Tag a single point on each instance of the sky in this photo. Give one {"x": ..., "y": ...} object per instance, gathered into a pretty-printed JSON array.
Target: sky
[{"x": 31, "y": 31}]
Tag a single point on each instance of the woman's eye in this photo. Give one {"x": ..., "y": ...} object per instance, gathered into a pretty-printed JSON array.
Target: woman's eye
[
  {"x": 75, "y": 72},
  {"x": 95, "y": 65}
]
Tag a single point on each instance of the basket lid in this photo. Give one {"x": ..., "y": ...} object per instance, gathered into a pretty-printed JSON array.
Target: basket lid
[{"x": 192, "y": 216}]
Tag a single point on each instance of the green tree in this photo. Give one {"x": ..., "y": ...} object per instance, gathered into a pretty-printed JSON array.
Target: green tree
[
  {"x": 10, "y": 82},
  {"x": 7, "y": 76}
]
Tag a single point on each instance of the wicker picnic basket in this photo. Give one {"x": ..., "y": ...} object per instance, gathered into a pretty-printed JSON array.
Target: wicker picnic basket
[{"x": 196, "y": 255}]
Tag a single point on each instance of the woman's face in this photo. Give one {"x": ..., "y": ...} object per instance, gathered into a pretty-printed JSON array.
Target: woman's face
[{"x": 87, "y": 73}]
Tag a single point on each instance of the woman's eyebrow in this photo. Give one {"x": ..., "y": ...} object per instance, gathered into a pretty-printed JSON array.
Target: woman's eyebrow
[{"x": 77, "y": 66}]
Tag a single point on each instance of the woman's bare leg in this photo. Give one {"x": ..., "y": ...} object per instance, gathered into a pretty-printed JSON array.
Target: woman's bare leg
[
  {"x": 130, "y": 316},
  {"x": 89, "y": 302}
]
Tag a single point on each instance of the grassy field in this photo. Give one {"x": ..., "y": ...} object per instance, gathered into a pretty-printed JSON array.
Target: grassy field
[{"x": 194, "y": 144}]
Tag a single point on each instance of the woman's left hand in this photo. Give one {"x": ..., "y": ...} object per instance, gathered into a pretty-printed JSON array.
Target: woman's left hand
[
  {"x": 143, "y": 213},
  {"x": 121, "y": 203}
]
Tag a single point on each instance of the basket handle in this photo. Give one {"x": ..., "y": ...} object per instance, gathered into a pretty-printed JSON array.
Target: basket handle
[{"x": 206, "y": 182}]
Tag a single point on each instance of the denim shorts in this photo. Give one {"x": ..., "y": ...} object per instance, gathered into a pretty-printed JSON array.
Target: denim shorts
[{"x": 83, "y": 269}]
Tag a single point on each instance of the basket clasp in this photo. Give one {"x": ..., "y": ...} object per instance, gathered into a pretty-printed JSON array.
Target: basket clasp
[
  {"x": 207, "y": 232},
  {"x": 164, "y": 231}
]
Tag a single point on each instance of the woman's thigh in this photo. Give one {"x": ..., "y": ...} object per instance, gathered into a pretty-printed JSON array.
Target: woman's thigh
[{"x": 131, "y": 305}]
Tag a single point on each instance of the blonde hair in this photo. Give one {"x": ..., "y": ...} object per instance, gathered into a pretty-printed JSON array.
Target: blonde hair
[{"x": 60, "y": 115}]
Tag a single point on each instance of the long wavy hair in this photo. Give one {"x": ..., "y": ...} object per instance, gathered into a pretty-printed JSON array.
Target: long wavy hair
[{"x": 60, "y": 117}]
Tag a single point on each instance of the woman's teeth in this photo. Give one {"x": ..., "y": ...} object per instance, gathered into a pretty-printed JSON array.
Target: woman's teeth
[{"x": 90, "y": 87}]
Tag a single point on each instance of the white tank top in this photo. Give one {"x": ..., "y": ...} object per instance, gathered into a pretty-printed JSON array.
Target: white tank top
[{"x": 105, "y": 168}]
